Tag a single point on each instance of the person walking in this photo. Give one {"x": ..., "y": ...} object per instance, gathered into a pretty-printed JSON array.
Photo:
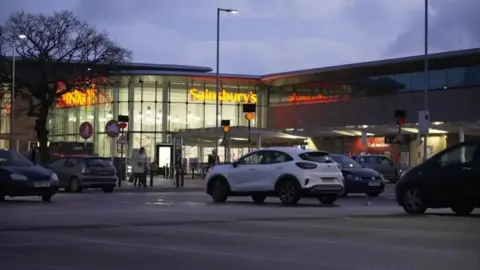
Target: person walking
[
  {"x": 34, "y": 154},
  {"x": 140, "y": 168}
]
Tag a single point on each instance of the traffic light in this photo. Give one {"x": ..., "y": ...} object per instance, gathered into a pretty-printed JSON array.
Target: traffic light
[
  {"x": 400, "y": 116},
  {"x": 226, "y": 125}
]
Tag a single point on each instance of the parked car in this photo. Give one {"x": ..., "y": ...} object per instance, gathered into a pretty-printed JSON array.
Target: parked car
[
  {"x": 78, "y": 172},
  {"x": 21, "y": 177},
  {"x": 383, "y": 165},
  {"x": 286, "y": 172},
  {"x": 449, "y": 179},
  {"x": 358, "y": 178}
]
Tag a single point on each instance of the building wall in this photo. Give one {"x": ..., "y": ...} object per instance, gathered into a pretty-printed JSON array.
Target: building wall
[
  {"x": 156, "y": 109},
  {"x": 462, "y": 105}
]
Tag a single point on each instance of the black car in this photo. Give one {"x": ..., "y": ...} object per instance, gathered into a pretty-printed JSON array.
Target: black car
[
  {"x": 449, "y": 179},
  {"x": 358, "y": 178},
  {"x": 21, "y": 177}
]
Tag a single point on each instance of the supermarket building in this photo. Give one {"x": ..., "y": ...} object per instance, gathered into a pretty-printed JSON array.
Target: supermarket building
[{"x": 329, "y": 108}]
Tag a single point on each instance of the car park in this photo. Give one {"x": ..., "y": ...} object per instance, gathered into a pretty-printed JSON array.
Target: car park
[
  {"x": 287, "y": 172},
  {"x": 20, "y": 177},
  {"x": 78, "y": 172},
  {"x": 358, "y": 178},
  {"x": 449, "y": 179}
]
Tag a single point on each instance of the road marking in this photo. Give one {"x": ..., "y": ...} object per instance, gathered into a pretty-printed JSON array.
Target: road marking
[
  {"x": 336, "y": 242},
  {"x": 341, "y": 227},
  {"x": 213, "y": 253}
]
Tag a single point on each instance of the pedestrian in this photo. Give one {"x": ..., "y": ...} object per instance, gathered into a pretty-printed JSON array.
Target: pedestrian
[
  {"x": 34, "y": 153},
  {"x": 140, "y": 168}
]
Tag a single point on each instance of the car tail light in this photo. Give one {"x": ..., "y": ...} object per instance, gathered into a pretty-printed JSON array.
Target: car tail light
[{"x": 306, "y": 165}]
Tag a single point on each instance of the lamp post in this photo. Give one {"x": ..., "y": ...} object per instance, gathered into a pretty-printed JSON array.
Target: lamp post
[
  {"x": 427, "y": 78},
  {"x": 12, "y": 98},
  {"x": 217, "y": 78}
]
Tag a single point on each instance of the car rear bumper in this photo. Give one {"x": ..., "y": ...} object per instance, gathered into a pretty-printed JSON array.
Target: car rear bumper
[
  {"x": 363, "y": 186},
  {"x": 98, "y": 181},
  {"x": 324, "y": 189},
  {"x": 30, "y": 188}
]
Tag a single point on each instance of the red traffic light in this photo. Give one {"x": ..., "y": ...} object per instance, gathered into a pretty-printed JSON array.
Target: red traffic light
[
  {"x": 123, "y": 125},
  {"x": 401, "y": 121}
]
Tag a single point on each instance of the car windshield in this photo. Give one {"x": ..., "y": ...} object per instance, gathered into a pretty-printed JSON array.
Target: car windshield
[
  {"x": 317, "y": 156},
  {"x": 346, "y": 162},
  {"x": 98, "y": 162},
  {"x": 12, "y": 158}
]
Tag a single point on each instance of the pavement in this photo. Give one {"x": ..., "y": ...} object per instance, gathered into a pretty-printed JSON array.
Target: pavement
[
  {"x": 185, "y": 230},
  {"x": 161, "y": 184}
]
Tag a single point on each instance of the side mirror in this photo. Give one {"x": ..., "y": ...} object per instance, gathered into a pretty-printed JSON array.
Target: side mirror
[{"x": 329, "y": 161}]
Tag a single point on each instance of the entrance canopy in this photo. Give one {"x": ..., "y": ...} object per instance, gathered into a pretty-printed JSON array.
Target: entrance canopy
[{"x": 238, "y": 137}]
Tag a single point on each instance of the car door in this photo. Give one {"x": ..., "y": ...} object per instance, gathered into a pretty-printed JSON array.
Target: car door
[
  {"x": 247, "y": 171},
  {"x": 271, "y": 167},
  {"x": 452, "y": 174},
  {"x": 386, "y": 167}
]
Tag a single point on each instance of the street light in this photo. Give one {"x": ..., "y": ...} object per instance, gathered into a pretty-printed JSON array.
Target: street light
[
  {"x": 427, "y": 78},
  {"x": 233, "y": 11},
  {"x": 12, "y": 98}
]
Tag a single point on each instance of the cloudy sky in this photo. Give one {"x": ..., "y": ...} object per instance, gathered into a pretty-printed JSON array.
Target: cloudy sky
[{"x": 272, "y": 35}]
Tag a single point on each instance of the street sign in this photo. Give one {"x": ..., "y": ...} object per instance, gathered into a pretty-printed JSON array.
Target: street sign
[
  {"x": 112, "y": 129},
  {"x": 85, "y": 130},
  {"x": 177, "y": 148},
  {"x": 122, "y": 139},
  {"x": 423, "y": 122}
]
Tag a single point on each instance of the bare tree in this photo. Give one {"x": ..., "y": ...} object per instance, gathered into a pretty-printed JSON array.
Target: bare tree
[{"x": 56, "y": 48}]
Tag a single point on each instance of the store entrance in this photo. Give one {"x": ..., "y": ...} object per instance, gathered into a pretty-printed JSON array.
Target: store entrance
[{"x": 163, "y": 155}]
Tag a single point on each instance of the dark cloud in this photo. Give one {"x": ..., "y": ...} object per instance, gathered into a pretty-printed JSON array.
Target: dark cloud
[
  {"x": 272, "y": 35},
  {"x": 453, "y": 25}
]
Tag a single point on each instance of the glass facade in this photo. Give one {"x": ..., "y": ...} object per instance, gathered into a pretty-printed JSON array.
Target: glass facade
[
  {"x": 441, "y": 79},
  {"x": 156, "y": 108}
]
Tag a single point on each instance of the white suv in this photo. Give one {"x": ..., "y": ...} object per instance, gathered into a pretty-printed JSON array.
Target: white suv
[{"x": 287, "y": 172}]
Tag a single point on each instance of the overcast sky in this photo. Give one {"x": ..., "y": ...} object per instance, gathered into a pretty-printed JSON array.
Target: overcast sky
[{"x": 272, "y": 35}]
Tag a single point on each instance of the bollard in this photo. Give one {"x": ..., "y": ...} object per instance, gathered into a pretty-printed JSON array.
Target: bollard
[
  {"x": 151, "y": 177},
  {"x": 165, "y": 172},
  {"x": 177, "y": 178},
  {"x": 193, "y": 173}
]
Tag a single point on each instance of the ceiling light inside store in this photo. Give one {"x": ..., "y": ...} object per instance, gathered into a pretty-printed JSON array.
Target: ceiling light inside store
[{"x": 430, "y": 131}]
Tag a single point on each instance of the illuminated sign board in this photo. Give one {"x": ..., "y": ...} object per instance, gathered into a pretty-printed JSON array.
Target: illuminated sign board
[
  {"x": 223, "y": 96},
  {"x": 83, "y": 98},
  {"x": 318, "y": 98}
]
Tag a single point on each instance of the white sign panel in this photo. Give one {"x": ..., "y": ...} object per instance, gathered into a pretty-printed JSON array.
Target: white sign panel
[{"x": 423, "y": 122}]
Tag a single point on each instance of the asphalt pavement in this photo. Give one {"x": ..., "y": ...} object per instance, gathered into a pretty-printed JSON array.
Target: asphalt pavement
[{"x": 185, "y": 230}]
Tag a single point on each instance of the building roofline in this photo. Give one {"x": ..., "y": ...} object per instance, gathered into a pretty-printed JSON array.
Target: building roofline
[{"x": 400, "y": 60}]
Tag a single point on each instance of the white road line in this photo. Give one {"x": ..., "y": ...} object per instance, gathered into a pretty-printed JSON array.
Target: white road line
[
  {"x": 342, "y": 227},
  {"x": 337, "y": 242},
  {"x": 213, "y": 253}
]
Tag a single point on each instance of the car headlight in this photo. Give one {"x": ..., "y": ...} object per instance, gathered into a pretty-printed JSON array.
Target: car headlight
[
  {"x": 54, "y": 177},
  {"x": 18, "y": 177},
  {"x": 353, "y": 177}
]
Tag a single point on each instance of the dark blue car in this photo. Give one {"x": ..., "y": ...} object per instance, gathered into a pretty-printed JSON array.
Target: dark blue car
[
  {"x": 358, "y": 178},
  {"x": 21, "y": 177}
]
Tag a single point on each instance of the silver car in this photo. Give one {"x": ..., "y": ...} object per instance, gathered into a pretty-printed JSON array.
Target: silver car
[{"x": 78, "y": 172}]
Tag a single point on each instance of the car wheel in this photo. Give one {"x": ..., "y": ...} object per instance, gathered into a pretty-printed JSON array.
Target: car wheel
[
  {"x": 413, "y": 202},
  {"x": 289, "y": 192},
  {"x": 463, "y": 210},
  {"x": 47, "y": 197},
  {"x": 108, "y": 189},
  {"x": 74, "y": 185},
  {"x": 373, "y": 194},
  {"x": 2, "y": 198},
  {"x": 258, "y": 198},
  {"x": 219, "y": 191},
  {"x": 327, "y": 198}
]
